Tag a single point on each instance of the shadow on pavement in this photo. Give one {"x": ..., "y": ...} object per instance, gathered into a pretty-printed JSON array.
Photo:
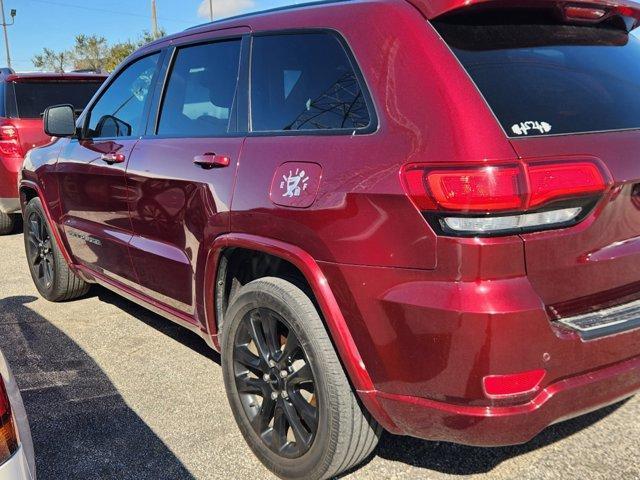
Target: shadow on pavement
[
  {"x": 180, "y": 334},
  {"x": 78, "y": 417},
  {"x": 455, "y": 459},
  {"x": 82, "y": 428}
]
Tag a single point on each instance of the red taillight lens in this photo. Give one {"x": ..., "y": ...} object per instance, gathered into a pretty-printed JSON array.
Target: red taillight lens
[
  {"x": 497, "y": 188},
  {"x": 584, "y": 13},
  {"x": 8, "y": 437},
  {"x": 550, "y": 181},
  {"x": 487, "y": 188},
  {"x": 10, "y": 141},
  {"x": 500, "y": 386}
]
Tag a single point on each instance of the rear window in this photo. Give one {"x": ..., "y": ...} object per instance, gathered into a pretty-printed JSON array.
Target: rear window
[
  {"x": 304, "y": 82},
  {"x": 32, "y": 98},
  {"x": 542, "y": 78}
]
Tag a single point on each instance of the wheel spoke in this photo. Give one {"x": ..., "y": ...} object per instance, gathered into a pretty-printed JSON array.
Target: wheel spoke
[
  {"x": 40, "y": 267},
  {"x": 35, "y": 230},
  {"x": 302, "y": 435},
  {"x": 257, "y": 334},
  {"x": 303, "y": 375},
  {"x": 292, "y": 346},
  {"x": 43, "y": 229},
  {"x": 34, "y": 257},
  {"x": 272, "y": 336},
  {"x": 279, "y": 428},
  {"x": 250, "y": 385},
  {"x": 48, "y": 272},
  {"x": 267, "y": 411},
  {"x": 307, "y": 412},
  {"x": 246, "y": 358}
]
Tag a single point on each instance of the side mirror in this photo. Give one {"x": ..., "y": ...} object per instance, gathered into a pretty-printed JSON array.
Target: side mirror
[{"x": 60, "y": 121}]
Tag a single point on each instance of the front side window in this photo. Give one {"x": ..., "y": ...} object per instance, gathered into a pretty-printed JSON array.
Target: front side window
[
  {"x": 303, "y": 82},
  {"x": 119, "y": 111},
  {"x": 201, "y": 90}
]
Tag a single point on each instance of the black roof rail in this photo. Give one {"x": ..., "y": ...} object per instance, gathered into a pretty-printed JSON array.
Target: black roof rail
[{"x": 293, "y": 6}]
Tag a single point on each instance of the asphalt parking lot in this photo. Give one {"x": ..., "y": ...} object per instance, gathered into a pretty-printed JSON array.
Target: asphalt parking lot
[{"x": 116, "y": 392}]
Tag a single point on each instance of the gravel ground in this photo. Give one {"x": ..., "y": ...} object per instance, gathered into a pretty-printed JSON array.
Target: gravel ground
[{"x": 116, "y": 392}]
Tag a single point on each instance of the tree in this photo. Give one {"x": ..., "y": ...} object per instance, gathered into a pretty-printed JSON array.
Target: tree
[
  {"x": 52, "y": 61},
  {"x": 90, "y": 53},
  {"x": 117, "y": 53},
  {"x": 148, "y": 37}
]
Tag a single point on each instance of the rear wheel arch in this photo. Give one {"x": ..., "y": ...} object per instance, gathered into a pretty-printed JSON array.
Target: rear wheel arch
[{"x": 291, "y": 263}]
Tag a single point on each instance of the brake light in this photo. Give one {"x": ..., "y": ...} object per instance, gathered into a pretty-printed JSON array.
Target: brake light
[
  {"x": 549, "y": 181},
  {"x": 496, "y": 190},
  {"x": 501, "y": 386},
  {"x": 588, "y": 14},
  {"x": 8, "y": 436},
  {"x": 10, "y": 141}
]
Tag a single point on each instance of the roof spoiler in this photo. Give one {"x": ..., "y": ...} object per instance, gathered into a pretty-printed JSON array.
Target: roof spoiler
[{"x": 578, "y": 11}]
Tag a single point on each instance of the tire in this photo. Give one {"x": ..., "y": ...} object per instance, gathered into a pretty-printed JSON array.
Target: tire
[
  {"x": 49, "y": 270},
  {"x": 334, "y": 432},
  {"x": 7, "y": 223}
]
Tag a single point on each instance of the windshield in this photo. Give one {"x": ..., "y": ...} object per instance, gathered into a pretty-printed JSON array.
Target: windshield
[
  {"x": 32, "y": 98},
  {"x": 542, "y": 78}
]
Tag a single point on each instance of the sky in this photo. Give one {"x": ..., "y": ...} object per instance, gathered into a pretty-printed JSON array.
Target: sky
[{"x": 55, "y": 23}]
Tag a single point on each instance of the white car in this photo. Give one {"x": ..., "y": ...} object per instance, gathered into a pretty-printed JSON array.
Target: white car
[{"x": 16, "y": 447}]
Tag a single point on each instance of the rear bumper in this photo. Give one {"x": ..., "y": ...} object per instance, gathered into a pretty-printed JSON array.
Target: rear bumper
[
  {"x": 428, "y": 343},
  {"x": 499, "y": 426},
  {"x": 16, "y": 468},
  {"x": 9, "y": 198}
]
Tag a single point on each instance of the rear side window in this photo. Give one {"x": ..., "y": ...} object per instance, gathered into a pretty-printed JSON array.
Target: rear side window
[
  {"x": 542, "y": 78},
  {"x": 32, "y": 98},
  {"x": 302, "y": 82},
  {"x": 201, "y": 90},
  {"x": 119, "y": 110}
]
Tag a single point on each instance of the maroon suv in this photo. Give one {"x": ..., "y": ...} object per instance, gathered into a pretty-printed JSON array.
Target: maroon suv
[
  {"x": 23, "y": 99},
  {"x": 422, "y": 216}
]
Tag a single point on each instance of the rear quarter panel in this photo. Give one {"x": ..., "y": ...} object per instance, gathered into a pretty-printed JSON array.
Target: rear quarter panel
[{"x": 428, "y": 110}]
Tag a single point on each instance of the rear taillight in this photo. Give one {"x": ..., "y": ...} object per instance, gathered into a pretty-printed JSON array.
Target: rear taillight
[
  {"x": 501, "y": 198},
  {"x": 10, "y": 141},
  {"x": 8, "y": 436}
]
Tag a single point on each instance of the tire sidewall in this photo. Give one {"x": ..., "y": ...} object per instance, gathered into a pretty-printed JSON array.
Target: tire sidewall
[
  {"x": 313, "y": 463},
  {"x": 35, "y": 206}
]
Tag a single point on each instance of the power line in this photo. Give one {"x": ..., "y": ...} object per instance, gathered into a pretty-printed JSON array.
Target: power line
[{"x": 104, "y": 10}]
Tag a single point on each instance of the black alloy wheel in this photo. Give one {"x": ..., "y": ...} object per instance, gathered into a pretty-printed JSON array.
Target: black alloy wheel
[
  {"x": 275, "y": 382},
  {"x": 40, "y": 250}
]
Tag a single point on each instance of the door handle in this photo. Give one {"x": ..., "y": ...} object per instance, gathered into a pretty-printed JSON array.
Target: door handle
[
  {"x": 211, "y": 160},
  {"x": 113, "y": 157}
]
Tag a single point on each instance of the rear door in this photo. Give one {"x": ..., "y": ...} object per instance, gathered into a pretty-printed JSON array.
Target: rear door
[
  {"x": 565, "y": 92},
  {"x": 91, "y": 172},
  {"x": 183, "y": 170}
]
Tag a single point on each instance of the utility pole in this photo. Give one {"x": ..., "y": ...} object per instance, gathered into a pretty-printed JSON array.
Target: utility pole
[
  {"x": 154, "y": 20},
  {"x": 211, "y": 10},
  {"x": 4, "y": 26}
]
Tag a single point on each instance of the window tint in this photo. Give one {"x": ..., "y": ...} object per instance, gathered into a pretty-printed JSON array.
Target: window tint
[
  {"x": 202, "y": 86},
  {"x": 118, "y": 112},
  {"x": 32, "y": 98},
  {"x": 541, "y": 78},
  {"x": 304, "y": 82}
]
